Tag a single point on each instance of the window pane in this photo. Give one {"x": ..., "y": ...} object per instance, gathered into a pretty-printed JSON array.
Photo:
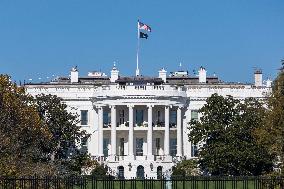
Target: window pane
[
  {"x": 84, "y": 144},
  {"x": 194, "y": 150},
  {"x": 84, "y": 117},
  {"x": 194, "y": 114},
  {"x": 105, "y": 146},
  {"x": 121, "y": 146},
  {"x": 139, "y": 117},
  {"x": 173, "y": 146},
  {"x": 173, "y": 117},
  {"x": 106, "y": 118},
  {"x": 139, "y": 146}
]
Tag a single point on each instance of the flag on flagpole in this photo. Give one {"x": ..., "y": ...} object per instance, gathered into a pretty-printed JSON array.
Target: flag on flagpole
[
  {"x": 143, "y": 35},
  {"x": 142, "y": 26}
]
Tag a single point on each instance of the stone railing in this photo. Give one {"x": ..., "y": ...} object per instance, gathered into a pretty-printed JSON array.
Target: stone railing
[{"x": 143, "y": 90}]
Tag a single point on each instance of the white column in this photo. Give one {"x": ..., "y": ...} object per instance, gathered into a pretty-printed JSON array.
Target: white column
[
  {"x": 113, "y": 130},
  {"x": 179, "y": 133},
  {"x": 100, "y": 131},
  {"x": 131, "y": 132},
  {"x": 150, "y": 134},
  {"x": 167, "y": 131}
]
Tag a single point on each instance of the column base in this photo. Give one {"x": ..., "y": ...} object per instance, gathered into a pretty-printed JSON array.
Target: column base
[
  {"x": 112, "y": 158},
  {"x": 168, "y": 158},
  {"x": 150, "y": 157},
  {"x": 130, "y": 157}
]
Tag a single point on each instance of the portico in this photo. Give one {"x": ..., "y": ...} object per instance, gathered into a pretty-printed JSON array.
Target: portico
[
  {"x": 135, "y": 129},
  {"x": 162, "y": 124}
]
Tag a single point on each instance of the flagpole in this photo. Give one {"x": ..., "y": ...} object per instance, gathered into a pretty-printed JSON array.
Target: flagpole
[{"x": 137, "y": 55}]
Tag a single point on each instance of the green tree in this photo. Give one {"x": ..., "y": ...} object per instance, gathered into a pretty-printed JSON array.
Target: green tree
[
  {"x": 21, "y": 132},
  {"x": 186, "y": 168},
  {"x": 61, "y": 150},
  {"x": 271, "y": 135},
  {"x": 226, "y": 130},
  {"x": 99, "y": 171}
]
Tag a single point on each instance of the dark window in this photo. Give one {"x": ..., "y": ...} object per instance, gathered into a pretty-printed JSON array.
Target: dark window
[
  {"x": 84, "y": 144},
  {"x": 106, "y": 118},
  {"x": 158, "y": 145},
  {"x": 121, "y": 116},
  {"x": 139, "y": 117},
  {"x": 139, "y": 146},
  {"x": 105, "y": 146},
  {"x": 173, "y": 117},
  {"x": 84, "y": 117},
  {"x": 159, "y": 172},
  {"x": 121, "y": 172},
  {"x": 194, "y": 150},
  {"x": 140, "y": 172},
  {"x": 121, "y": 146},
  {"x": 173, "y": 146},
  {"x": 159, "y": 116}
]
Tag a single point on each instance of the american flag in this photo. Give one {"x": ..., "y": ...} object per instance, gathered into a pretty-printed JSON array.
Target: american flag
[{"x": 142, "y": 26}]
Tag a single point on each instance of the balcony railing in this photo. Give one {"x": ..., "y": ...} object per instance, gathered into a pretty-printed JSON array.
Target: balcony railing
[{"x": 145, "y": 90}]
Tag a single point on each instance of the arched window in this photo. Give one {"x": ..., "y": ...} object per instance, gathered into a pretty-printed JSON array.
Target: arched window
[
  {"x": 120, "y": 172},
  {"x": 159, "y": 172},
  {"x": 140, "y": 172}
]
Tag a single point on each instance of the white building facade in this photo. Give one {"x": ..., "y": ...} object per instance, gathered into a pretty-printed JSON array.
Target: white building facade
[{"x": 139, "y": 125}]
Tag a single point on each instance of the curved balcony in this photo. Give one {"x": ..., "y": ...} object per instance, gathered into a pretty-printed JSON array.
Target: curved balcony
[{"x": 143, "y": 91}]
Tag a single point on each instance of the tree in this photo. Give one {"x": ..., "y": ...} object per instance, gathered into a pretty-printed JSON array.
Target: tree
[
  {"x": 186, "y": 168},
  {"x": 226, "y": 130},
  {"x": 61, "y": 150},
  {"x": 38, "y": 135},
  {"x": 271, "y": 135},
  {"x": 99, "y": 171},
  {"x": 21, "y": 132}
]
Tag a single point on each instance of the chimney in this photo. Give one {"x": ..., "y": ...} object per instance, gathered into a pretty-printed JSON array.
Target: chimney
[
  {"x": 258, "y": 78},
  {"x": 74, "y": 75},
  {"x": 202, "y": 75},
  {"x": 163, "y": 74},
  {"x": 268, "y": 83},
  {"x": 114, "y": 74}
]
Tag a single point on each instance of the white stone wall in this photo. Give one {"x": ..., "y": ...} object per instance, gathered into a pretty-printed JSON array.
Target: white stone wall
[{"x": 78, "y": 97}]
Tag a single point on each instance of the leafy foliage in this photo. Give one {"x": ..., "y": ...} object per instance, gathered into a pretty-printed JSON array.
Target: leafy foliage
[
  {"x": 38, "y": 136},
  {"x": 186, "y": 168},
  {"x": 61, "y": 149},
  {"x": 99, "y": 171},
  {"x": 271, "y": 135},
  {"x": 21, "y": 131},
  {"x": 226, "y": 131}
]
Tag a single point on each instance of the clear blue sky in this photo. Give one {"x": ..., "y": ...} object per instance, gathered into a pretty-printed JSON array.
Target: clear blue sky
[{"x": 39, "y": 38}]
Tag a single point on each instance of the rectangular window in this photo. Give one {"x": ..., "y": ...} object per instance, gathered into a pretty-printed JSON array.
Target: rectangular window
[
  {"x": 84, "y": 144},
  {"x": 121, "y": 116},
  {"x": 194, "y": 115},
  {"x": 139, "y": 146},
  {"x": 159, "y": 116},
  {"x": 84, "y": 117},
  {"x": 173, "y": 146},
  {"x": 139, "y": 117},
  {"x": 173, "y": 118},
  {"x": 121, "y": 146},
  {"x": 106, "y": 118},
  {"x": 194, "y": 150},
  {"x": 105, "y": 146},
  {"x": 158, "y": 145}
]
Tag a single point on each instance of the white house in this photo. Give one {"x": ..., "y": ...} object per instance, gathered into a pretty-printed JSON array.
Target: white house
[{"x": 138, "y": 125}]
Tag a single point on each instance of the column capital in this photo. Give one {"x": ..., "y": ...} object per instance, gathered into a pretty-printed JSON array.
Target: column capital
[
  {"x": 112, "y": 106},
  {"x": 150, "y": 105},
  {"x": 130, "y": 105},
  {"x": 180, "y": 106}
]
